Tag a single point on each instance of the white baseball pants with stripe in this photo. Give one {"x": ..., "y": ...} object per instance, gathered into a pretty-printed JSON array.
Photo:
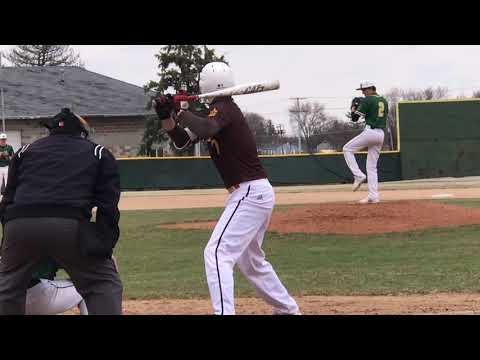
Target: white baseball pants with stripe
[
  {"x": 373, "y": 140},
  {"x": 237, "y": 240},
  {"x": 53, "y": 297}
]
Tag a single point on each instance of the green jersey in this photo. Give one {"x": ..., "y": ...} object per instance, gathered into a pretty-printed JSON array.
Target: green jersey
[
  {"x": 6, "y": 154},
  {"x": 375, "y": 110}
]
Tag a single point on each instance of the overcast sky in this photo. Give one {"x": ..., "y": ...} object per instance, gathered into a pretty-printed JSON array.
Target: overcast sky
[{"x": 328, "y": 73}]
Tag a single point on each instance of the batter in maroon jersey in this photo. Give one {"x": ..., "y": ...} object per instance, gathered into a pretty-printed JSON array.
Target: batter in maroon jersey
[{"x": 238, "y": 236}]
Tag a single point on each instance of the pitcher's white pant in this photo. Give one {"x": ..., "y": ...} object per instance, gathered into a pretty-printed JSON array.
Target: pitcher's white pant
[
  {"x": 373, "y": 140},
  {"x": 3, "y": 175},
  {"x": 237, "y": 240},
  {"x": 53, "y": 297}
]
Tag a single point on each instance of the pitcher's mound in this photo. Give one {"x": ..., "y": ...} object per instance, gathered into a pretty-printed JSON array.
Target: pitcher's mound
[{"x": 384, "y": 217}]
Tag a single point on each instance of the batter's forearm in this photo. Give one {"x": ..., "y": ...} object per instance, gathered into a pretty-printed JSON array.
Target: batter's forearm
[
  {"x": 168, "y": 124},
  {"x": 204, "y": 128},
  {"x": 180, "y": 137}
]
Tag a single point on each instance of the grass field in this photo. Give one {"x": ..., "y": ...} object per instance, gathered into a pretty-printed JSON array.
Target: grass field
[{"x": 159, "y": 263}]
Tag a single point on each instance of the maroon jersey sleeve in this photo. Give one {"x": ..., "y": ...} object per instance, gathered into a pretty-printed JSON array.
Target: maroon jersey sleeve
[{"x": 220, "y": 115}]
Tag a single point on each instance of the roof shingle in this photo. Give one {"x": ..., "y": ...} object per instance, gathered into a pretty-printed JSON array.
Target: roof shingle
[{"x": 31, "y": 92}]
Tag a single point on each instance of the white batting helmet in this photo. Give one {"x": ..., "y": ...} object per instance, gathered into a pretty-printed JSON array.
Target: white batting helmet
[
  {"x": 215, "y": 76},
  {"x": 366, "y": 85},
  {"x": 3, "y": 136}
]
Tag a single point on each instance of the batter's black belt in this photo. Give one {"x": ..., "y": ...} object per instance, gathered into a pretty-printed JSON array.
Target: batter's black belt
[{"x": 232, "y": 188}]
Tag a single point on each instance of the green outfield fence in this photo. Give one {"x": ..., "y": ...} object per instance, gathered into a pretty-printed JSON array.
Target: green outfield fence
[
  {"x": 198, "y": 173},
  {"x": 439, "y": 138}
]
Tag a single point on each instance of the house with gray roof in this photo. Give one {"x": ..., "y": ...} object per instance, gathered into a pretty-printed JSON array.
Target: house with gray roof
[{"x": 114, "y": 109}]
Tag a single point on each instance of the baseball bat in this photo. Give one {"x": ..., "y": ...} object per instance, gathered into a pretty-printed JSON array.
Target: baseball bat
[{"x": 242, "y": 89}]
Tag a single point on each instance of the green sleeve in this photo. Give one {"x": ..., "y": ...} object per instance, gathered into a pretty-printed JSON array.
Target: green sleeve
[
  {"x": 10, "y": 150},
  {"x": 364, "y": 106}
]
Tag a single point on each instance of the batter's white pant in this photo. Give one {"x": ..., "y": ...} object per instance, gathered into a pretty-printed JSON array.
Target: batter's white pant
[
  {"x": 53, "y": 297},
  {"x": 373, "y": 140},
  {"x": 237, "y": 240},
  {"x": 3, "y": 175}
]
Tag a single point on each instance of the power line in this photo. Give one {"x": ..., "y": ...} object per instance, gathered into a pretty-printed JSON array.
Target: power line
[
  {"x": 285, "y": 112},
  {"x": 288, "y": 111}
]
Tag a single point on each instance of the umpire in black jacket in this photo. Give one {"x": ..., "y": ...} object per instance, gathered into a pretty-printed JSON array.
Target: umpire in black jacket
[{"x": 46, "y": 208}]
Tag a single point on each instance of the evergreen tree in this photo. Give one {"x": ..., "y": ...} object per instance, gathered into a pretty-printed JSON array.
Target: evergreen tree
[{"x": 180, "y": 67}]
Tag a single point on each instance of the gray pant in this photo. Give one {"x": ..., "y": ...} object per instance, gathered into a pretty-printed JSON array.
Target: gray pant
[{"x": 29, "y": 241}]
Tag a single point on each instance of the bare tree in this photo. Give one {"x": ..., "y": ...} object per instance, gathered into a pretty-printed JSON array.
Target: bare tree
[
  {"x": 311, "y": 121},
  {"x": 43, "y": 55},
  {"x": 256, "y": 122},
  {"x": 264, "y": 131},
  {"x": 339, "y": 132},
  {"x": 429, "y": 93}
]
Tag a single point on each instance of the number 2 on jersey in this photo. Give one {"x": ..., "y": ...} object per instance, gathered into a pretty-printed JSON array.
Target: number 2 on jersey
[{"x": 381, "y": 109}]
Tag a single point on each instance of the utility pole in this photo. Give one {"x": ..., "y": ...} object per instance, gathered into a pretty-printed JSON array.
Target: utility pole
[{"x": 281, "y": 131}]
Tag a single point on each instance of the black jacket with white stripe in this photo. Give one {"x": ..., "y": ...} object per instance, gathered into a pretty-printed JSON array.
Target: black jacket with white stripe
[{"x": 63, "y": 176}]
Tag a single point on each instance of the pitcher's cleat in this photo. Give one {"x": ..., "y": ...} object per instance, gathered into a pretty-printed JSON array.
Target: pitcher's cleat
[
  {"x": 368, "y": 201},
  {"x": 358, "y": 182}
]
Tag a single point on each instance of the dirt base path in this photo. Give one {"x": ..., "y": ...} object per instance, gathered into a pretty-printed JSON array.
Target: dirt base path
[
  {"x": 284, "y": 196},
  {"x": 321, "y": 305}
]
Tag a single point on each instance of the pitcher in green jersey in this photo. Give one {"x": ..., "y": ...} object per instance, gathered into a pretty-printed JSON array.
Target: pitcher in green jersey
[{"x": 374, "y": 109}]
